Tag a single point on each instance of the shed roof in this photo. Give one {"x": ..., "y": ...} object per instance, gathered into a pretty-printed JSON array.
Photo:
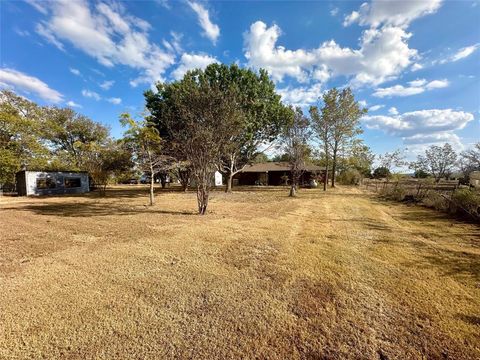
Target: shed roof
[
  {"x": 276, "y": 166},
  {"x": 53, "y": 172}
]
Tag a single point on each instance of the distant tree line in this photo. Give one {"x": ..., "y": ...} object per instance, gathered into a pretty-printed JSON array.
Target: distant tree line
[{"x": 437, "y": 162}]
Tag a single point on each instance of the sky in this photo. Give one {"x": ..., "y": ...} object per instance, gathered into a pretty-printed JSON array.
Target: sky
[{"x": 415, "y": 65}]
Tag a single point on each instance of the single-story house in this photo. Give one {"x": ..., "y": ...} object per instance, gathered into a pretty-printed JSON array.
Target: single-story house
[
  {"x": 276, "y": 173},
  {"x": 51, "y": 182},
  {"x": 475, "y": 179}
]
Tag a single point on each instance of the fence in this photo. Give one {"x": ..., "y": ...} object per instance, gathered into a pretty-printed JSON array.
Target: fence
[
  {"x": 413, "y": 187},
  {"x": 439, "y": 195}
]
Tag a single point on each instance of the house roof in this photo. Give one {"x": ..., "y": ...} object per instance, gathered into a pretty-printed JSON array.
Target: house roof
[{"x": 276, "y": 166}]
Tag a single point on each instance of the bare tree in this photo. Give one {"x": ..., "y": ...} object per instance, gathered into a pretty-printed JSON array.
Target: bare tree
[
  {"x": 470, "y": 161},
  {"x": 295, "y": 138},
  {"x": 389, "y": 160},
  {"x": 438, "y": 161}
]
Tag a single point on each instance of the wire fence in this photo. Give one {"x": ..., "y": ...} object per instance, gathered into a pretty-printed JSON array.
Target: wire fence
[{"x": 445, "y": 195}]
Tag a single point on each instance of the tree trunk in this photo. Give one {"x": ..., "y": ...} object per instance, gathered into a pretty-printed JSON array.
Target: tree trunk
[
  {"x": 325, "y": 180},
  {"x": 184, "y": 177},
  {"x": 228, "y": 189},
  {"x": 202, "y": 199},
  {"x": 293, "y": 190},
  {"x": 334, "y": 167},
  {"x": 152, "y": 182}
]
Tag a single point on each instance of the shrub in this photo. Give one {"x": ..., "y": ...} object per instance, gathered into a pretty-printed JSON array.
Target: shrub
[
  {"x": 381, "y": 172},
  {"x": 350, "y": 177},
  {"x": 466, "y": 200},
  {"x": 398, "y": 193},
  {"x": 434, "y": 200}
]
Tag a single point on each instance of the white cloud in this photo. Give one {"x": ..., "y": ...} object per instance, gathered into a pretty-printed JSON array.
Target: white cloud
[
  {"x": 174, "y": 45},
  {"x": 75, "y": 71},
  {"x": 108, "y": 34},
  {"x": 464, "y": 52},
  {"x": 393, "y": 111},
  {"x": 49, "y": 36},
  {"x": 350, "y": 19},
  {"x": 415, "y": 87},
  {"x": 382, "y": 55},
  {"x": 423, "y": 126},
  {"x": 334, "y": 11},
  {"x": 190, "y": 62},
  {"x": 437, "y": 84},
  {"x": 211, "y": 30},
  {"x": 375, "y": 107},
  {"x": 22, "y": 33},
  {"x": 392, "y": 12},
  {"x": 107, "y": 84},
  {"x": 301, "y": 96},
  {"x": 114, "y": 100},
  {"x": 164, "y": 3},
  {"x": 362, "y": 103},
  {"x": 417, "y": 66},
  {"x": 73, "y": 104},
  {"x": 39, "y": 5},
  {"x": 91, "y": 94},
  {"x": 28, "y": 84}
]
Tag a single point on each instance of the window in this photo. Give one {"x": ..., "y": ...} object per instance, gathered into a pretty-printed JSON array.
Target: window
[
  {"x": 46, "y": 183},
  {"x": 73, "y": 182}
]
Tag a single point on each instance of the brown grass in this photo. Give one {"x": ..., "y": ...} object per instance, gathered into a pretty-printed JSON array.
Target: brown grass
[{"x": 340, "y": 275}]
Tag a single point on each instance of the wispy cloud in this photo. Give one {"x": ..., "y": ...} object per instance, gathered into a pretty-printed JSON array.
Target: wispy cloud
[
  {"x": 415, "y": 87},
  {"x": 114, "y": 100},
  {"x": 107, "y": 84},
  {"x": 28, "y": 84},
  {"x": 73, "y": 104},
  {"x": 91, "y": 94},
  {"x": 210, "y": 30},
  {"x": 106, "y": 32}
]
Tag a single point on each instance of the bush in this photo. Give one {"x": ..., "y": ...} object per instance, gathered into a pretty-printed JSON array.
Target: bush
[
  {"x": 434, "y": 200},
  {"x": 398, "y": 193},
  {"x": 350, "y": 177},
  {"x": 381, "y": 173},
  {"x": 393, "y": 191},
  {"x": 466, "y": 200}
]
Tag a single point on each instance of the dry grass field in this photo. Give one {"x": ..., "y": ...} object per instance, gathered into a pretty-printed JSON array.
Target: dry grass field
[{"x": 341, "y": 275}]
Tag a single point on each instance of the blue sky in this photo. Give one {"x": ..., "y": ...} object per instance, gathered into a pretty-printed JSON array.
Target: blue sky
[{"x": 414, "y": 64}]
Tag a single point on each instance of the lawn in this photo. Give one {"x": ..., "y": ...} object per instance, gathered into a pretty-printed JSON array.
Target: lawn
[{"x": 341, "y": 275}]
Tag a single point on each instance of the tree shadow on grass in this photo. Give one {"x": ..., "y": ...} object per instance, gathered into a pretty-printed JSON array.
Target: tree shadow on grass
[
  {"x": 92, "y": 210},
  {"x": 449, "y": 262},
  {"x": 469, "y": 319}
]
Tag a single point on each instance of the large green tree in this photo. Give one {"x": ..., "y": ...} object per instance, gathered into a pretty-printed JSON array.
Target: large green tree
[
  {"x": 263, "y": 118},
  {"x": 68, "y": 133},
  {"x": 198, "y": 118},
  {"x": 21, "y": 143}
]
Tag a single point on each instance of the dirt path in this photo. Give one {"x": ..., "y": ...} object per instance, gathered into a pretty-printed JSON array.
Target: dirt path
[{"x": 340, "y": 275}]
